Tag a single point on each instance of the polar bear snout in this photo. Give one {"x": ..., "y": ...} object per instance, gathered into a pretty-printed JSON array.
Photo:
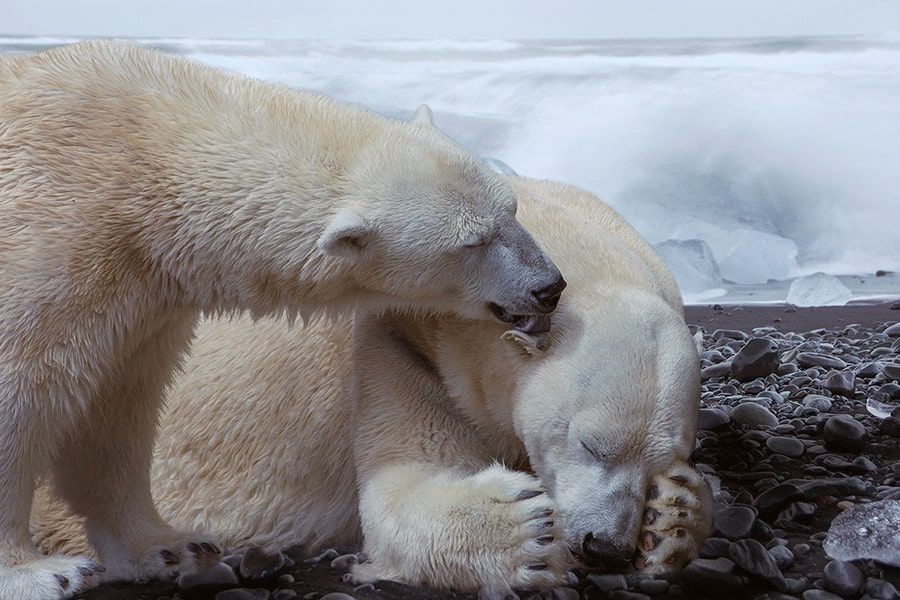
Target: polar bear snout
[
  {"x": 606, "y": 550},
  {"x": 548, "y": 296}
]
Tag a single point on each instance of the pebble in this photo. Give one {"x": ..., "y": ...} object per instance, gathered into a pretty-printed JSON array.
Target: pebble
[
  {"x": 843, "y": 578},
  {"x": 788, "y": 446},
  {"x": 344, "y": 562},
  {"x": 285, "y": 595},
  {"x": 608, "y": 583},
  {"x": 714, "y": 547},
  {"x": 820, "y": 403},
  {"x": 219, "y": 577},
  {"x": 819, "y": 595},
  {"x": 626, "y": 595},
  {"x": 752, "y": 557},
  {"x": 815, "y": 359},
  {"x": 714, "y": 576},
  {"x": 878, "y": 589},
  {"x": 843, "y": 433},
  {"x": 753, "y": 415},
  {"x": 774, "y": 499},
  {"x": 722, "y": 369},
  {"x": 260, "y": 565},
  {"x": 654, "y": 587},
  {"x": 784, "y": 558},
  {"x": 891, "y": 371},
  {"x": 757, "y": 358},
  {"x": 734, "y": 522},
  {"x": 243, "y": 594},
  {"x": 893, "y": 330},
  {"x": 842, "y": 383},
  {"x": 337, "y": 596},
  {"x": 712, "y": 418},
  {"x": 557, "y": 593}
]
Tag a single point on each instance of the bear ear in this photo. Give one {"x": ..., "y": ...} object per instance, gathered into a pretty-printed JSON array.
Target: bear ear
[
  {"x": 423, "y": 116},
  {"x": 345, "y": 236}
]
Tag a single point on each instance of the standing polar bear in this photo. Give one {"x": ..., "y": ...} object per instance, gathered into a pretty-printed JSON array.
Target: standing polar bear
[
  {"x": 138, "y": 191},
  {"x": 461, "y": 455}
]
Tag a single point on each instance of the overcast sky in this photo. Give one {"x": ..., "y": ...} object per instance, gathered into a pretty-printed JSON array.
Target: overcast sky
[{"x": 460, "y": 19}]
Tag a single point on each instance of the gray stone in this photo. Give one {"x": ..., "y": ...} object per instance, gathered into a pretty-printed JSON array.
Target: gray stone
[
  {"x": 714, "y": 547},
  {"x": 753, "y": 415},
  {"x": 752, "y": 557},
  {"x": 842, "y": 383},
  {"x": 608, "y": 583},
  {"x": 715, "y": 576},
  {"x": 722, "y": 369},
  {"x": 820, "y": 403},
  {"x": 260, "y": 565},
  {"x": 337, "y": 596},
  {"x": 285, "y": 595},
  {"x": 891, "y": 371},
  {"x": 626, "y": 595},
  {"x": 758, "y": 358},
  {"x": 557, "y": 593},
  {"x": 879, "y": 589},
  {"x": 784, "y": 558},
  {"x": 654, "y": 587},
  {"x": 712, "y": 418},
  {"x": 819, "y": 595},
  {"x": 733, "y": 522},
  {"x": 893, "y": 330},
  {"x": 866, "y": 531},
  {"x": 788, "y": 446},
  {"x": 774, "y": 499},
  {"x": 218, "y": 577},
  {"x": 843, "y": 578},
  {"x": 844, "y": 433},
  {"x": 815, "y": 359},
  {"x": 243, "y": 594}
]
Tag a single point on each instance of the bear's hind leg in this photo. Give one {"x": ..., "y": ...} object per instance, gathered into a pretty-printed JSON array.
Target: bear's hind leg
[{"x": 103, "y": 472}]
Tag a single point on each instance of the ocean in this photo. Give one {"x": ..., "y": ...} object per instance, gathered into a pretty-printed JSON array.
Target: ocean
[{"x": 748, "y": 162}]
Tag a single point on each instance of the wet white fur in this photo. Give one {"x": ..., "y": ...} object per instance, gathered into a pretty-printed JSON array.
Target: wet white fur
[
  {"x": 137, "y": 191},
  {"x": 419, "y": 434}
]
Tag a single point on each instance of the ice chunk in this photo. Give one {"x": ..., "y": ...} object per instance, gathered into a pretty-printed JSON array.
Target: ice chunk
[
  {"x": 751, "y": 256},
  {"x": 693, "y": 264},
  {"x": 818, "y": 289},
  {"x": 880, "y": 409},
  {"x": 866, "y": 531}
]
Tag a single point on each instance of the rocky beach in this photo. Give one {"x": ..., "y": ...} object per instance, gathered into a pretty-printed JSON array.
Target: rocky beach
[{"x": 800, "y": 433}]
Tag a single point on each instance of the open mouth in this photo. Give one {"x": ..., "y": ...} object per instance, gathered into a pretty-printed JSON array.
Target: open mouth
[{"x": 532, "y": 324}]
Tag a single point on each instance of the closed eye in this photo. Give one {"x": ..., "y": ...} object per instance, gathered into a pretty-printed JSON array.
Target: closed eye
[
  {"x": 478, "y": 241},
  {"x": 597, "y": 454}
]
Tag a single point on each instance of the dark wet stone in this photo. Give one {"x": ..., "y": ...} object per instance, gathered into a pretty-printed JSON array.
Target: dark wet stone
[
  {"x": 784, "y": 558},
  {"x": 731, "y": 334},
  {"x": 819, "y": 595},
  {"x": 842, "y": 383},
  {"x": 844, "y": 433},
  {"x": 845, "y": 486},
  {"x": 798, "y": 511},
  {"x": 890, "y": 426},
  {"x": 787, "y": 446},
  {"x": 285, "y": 595},
  {"x": 773, "y": 500},
  {"x": 203, "y": 584},
  {"x": 758, "y": 358},
  {"x": 715, "y": 577},
  {"x": 243, "y": 594},
  {"x": 752, "y": 557},
  {"x": 626, "y": 595},
  {"x": 879, "y": 589},
  {"x": 712, "y": 418},
  {"x": 891, "y": 371},
  {"x": 753, "y": 415},
  {"x": 815, "y": 359},
  {"x": 734, "y": 522},
  {"x": 714, "y": 547},
  {"x": 722, "y": 369},
  {"x": 337, "y": 596},
  {"x": 820, "y": 403},
  {"x": 259, "y": 565},
  {"x": 843, "y": 578},
  {"x": 654, "y": 587},
  {"x": 608, "y": 583},
  {"x": 557, "y": 593}
]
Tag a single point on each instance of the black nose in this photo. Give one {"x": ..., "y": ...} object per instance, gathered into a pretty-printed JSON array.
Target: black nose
[
  {"x": 549, "y": 296},
  {"x": 605, "y": 550}
]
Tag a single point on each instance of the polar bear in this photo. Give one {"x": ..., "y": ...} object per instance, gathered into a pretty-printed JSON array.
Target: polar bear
[
  {"x": 460, "y": 453},
  {"x": 138, "y": 191}
]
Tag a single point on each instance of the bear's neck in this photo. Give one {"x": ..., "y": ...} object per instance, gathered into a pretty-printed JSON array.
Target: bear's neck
[{"x": 234, "y": 213}]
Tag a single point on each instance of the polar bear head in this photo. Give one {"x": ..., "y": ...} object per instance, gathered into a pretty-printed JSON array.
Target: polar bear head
[
  {"x": 609, "y": 420},
  {"x": 426, "y": 224}
]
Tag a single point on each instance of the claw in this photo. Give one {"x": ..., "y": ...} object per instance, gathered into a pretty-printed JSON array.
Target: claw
[
  {"x": 650, "y": 516},
  {"x": 210, "y": 547},
  {"x": 86, "y": 572},
  {"x": 195, "y": 548},
  {"x": 169, "y": 557},
  {"x": 62, "y": 580},
  {"x": 544, "y": 540},
  {"x": 527, "y": 494},
  {"x": 540, "y": 513},
  {"x": 536, "y": 567},
  {"x": 679, "y": 479}
]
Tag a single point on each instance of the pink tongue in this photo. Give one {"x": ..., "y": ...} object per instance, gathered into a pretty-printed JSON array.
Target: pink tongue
[{"x": 533, "y": 324}]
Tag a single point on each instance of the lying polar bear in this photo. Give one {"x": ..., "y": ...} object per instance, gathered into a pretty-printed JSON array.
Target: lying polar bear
[{"x": 461, "y": 455}]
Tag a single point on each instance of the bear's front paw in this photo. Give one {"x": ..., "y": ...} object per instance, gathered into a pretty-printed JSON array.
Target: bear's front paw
[
  {"x": 166, "y": 558},
  {"x": 676, "y": 520},
  {"x": 49, "y": 578}
]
